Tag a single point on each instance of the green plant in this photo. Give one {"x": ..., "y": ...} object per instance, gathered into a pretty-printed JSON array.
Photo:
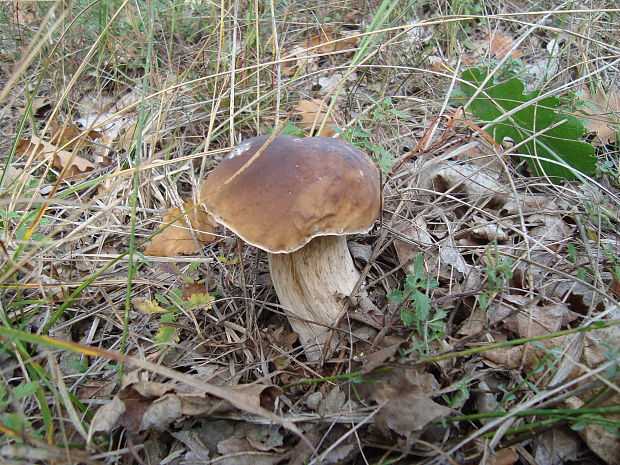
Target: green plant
[
  {"x": 582, "y": 271},
  {"x": 416, "y": 308},
  {"x": 16, "y": 420},
  {"x": 543, "y": 133},
  {"x": 499, "y": 273},
  {"x": 460, "y": 394},
  {"x": 459, "y": 31},
  {"x": 168, "y": 307},
  {"x": 510, "y": 68},
  {"x": 467, "y": 8},
  {"x": 381, "y": 112}
]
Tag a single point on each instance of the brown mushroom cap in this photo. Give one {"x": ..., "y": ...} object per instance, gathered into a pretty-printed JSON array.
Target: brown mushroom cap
[{"x": 296, "y": 189}]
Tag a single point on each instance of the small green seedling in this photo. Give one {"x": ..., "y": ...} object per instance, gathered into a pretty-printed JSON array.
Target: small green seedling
[
  {"x": 382, "y": 112},
  {"x": 416, "y": 308},
  {"x": 169, "y": 307},
  {"x": 499, "y": 274}
]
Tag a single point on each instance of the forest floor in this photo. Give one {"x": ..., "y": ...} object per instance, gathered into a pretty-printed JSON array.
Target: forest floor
[{"x": 132, "y": 331}]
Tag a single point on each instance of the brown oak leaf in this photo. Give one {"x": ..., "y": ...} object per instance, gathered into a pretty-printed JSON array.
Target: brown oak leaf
[{"x": 182, "y": 238}]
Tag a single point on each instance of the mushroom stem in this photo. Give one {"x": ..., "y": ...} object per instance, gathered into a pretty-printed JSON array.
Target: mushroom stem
[{"x": 310, "y": 284}]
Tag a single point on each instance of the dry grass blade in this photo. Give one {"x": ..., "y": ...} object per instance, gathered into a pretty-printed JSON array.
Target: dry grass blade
[{"x": 235, "y": 398}]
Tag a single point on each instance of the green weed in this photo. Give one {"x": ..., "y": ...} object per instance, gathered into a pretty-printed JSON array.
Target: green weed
[
  {"x": 416, "y": 308},
  {"x": 381, "y": 113},
  {"x": 499, "y": 273},
  {"x": 169, "y": 307}
]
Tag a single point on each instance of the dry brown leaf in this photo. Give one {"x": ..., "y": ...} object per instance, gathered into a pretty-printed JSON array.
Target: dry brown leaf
[
  {"x": 500, "y": 45},
  {"x": 475, "y": 323},
  {"x": 43, "y": 151},
  {"x": 182, "y": 238},
  {"x": 531, "y": 355},
  {"x": 333, "y": 402},
  {"x": 600, "y": 439},
  {"x": 39, "y": 107},
  {"x": 127, "y": 137},
  {"x": 405, "y": 397},
  {"x": 70, "y": 137},
  {"x": 436, "y": 63},
  {"x": 141, "y": 405},
  {"x": 15, "y": 174},
  {"x": 605, "y": 116},
  {"x": 24, "y": 13},
  {"x": 503, "y": 457},
  {"x": 481, "y": 155},
  {"x": 193, "y": 289},
  {"x": 325, "y": 42},
  {"x": 463, "y": 180},
  {"x": 527, "y": 356},
  {"x": 239, "y": 451},
  {"x": 417, "y": 237},
  {"x": 115, "y": 117},
  {"x": 197, "y": 452},
  {"x": 526, "y": 320},
  {"x": 556, "y": 447},
  {"x": 95, "y": 389},
  {"x": 312, "y": 114}
]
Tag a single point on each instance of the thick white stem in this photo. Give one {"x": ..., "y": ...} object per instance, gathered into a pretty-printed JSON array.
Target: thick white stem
[{"x": 310, "y": 284}]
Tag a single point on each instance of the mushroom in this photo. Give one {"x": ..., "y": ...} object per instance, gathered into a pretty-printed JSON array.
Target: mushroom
[{"x": 296, "y": 198}]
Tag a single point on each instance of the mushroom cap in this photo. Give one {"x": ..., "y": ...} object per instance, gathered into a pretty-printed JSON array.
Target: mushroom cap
[{"x": 296, "y": 189}]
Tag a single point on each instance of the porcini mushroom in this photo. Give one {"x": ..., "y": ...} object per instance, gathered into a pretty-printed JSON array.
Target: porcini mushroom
[{"x": 296, "y": 200}]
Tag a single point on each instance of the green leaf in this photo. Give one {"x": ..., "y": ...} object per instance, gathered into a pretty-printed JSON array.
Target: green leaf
[
  {"x": 166, "y": 334},
  {"x": 422, "y": 304},
  {"x": 24, "y": 390},
  {"x": 396, "y": 296},
  {"x": 78, "y": 366},
  {"x": 149, "y": 307},
  {"x": 291, "y": 130},
  {"x": 553, "y": 135},
  {"x": 408, "y": 318},
  {"x": 199, "y": 300}
]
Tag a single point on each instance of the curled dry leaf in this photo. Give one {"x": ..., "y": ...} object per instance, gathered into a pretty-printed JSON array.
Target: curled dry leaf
[
  {"x": 141, "y": 405},
  {"x": 602, "y": 440},
  {"x": 462, "y": 180},
  {"x": 39, "y": 107},
  {"x": 590, "y": 351},
  {"x": 197, "y": 452},
  {"x": 183, "y": 237},
  {"x": 527, "y": 320},
  {"x": 325, "y": 85},
  {"x": 41, "y": 150},
  {"x": 405, "y": 397},
  {"x": 312, "y": 114},
  {"x": 17, "y": 175},
  {"x": 114, "y": 117},
  {"x": 603, "y": 113},
  {"x": 70, "y": 137},
  {"x": 240, "y": 451},
  {"x": 556, "y": 447},
  {"x": 501, "y": 45},
  {"x": 482, "y": 155},
  {"x": 503, "y": 457},
  {"x": 194, "y": 291},
  {"x": 325, "y": 42}
]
